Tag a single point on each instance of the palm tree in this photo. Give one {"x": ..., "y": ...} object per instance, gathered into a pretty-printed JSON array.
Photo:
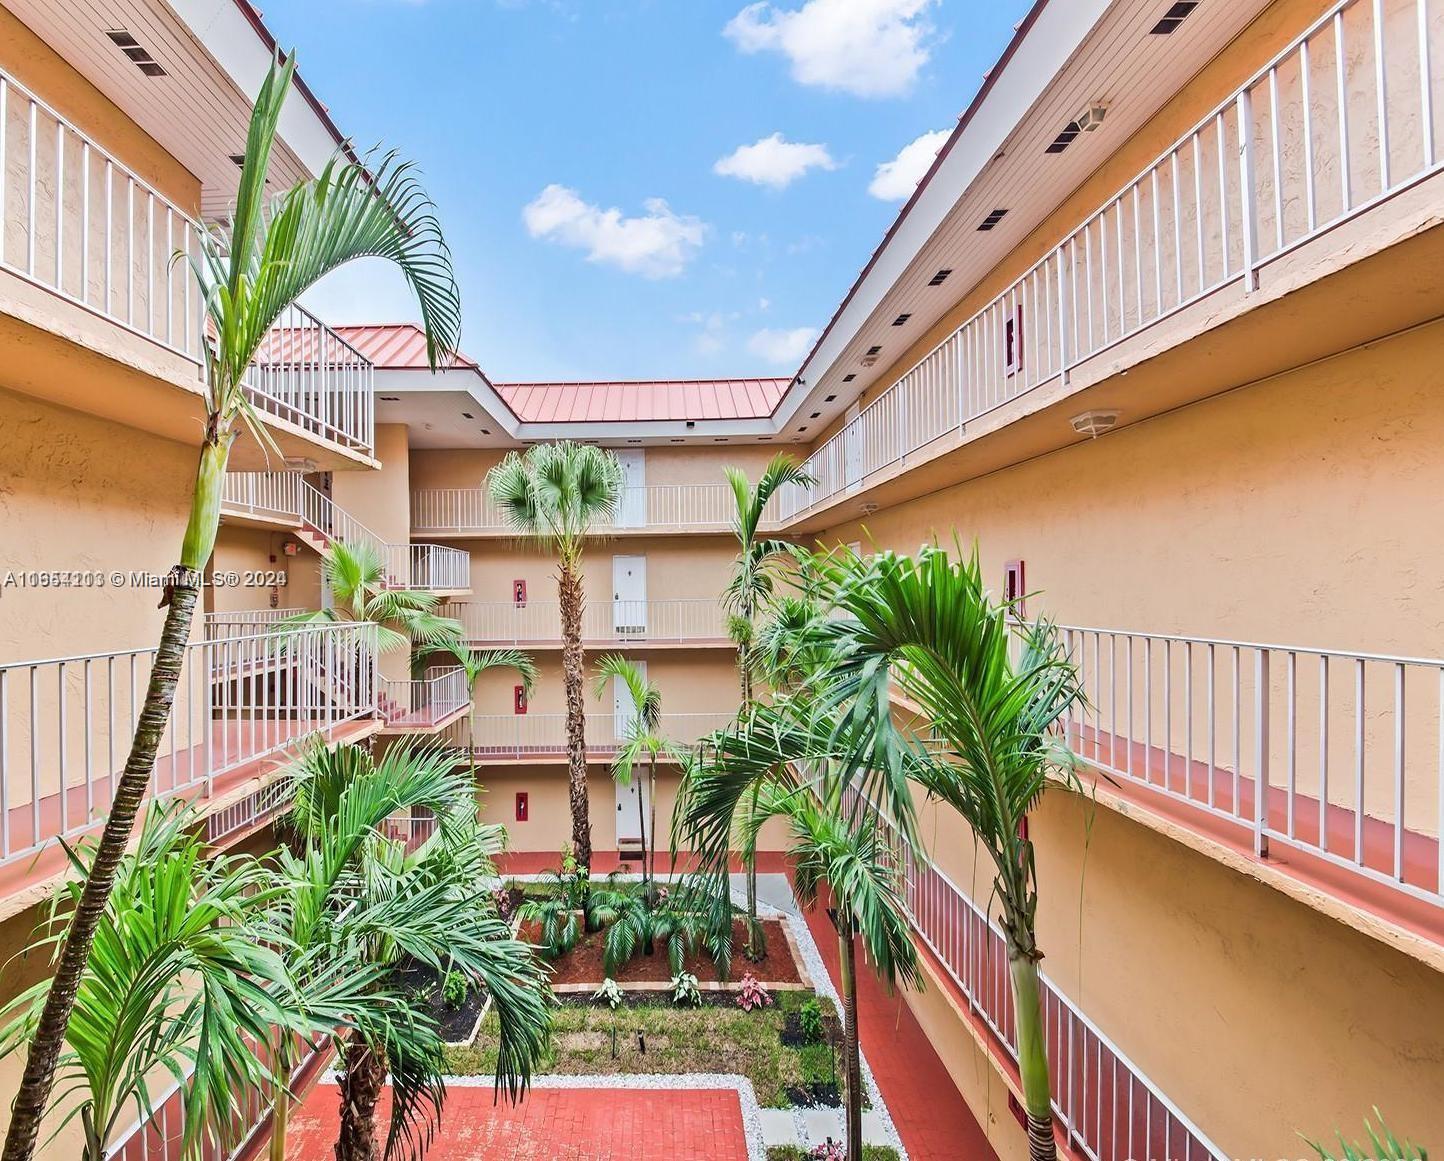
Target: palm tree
[
  {"x": 249, "y": 274},
  {"x": 928, "y": 625},
  {"x": 475, "y": 662},
  {"x": 177, "y": 985},
  {"x": 643, "y": 740},
  {"x": 789, "y": 762},
  {"x": 554, "y": 494},
  {"x": 403, "y": 618},
  {"x": 356, "y": 900},
  {"x": 749, "y": 588}
]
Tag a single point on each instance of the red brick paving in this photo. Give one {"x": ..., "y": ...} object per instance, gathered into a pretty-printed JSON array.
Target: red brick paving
[{"x": 557, "y": 1125}]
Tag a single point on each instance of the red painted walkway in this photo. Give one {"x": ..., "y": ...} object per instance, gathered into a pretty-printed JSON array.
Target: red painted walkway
[
  {"x": 557, "y": 1125},
  {"x": 931, "y": 1116}
]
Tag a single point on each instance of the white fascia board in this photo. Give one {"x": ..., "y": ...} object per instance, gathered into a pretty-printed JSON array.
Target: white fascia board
[
  {"x": 1055, "y": 36},
  {"x": 229, "y": 37},
  {"x": 463, "y": 380}
]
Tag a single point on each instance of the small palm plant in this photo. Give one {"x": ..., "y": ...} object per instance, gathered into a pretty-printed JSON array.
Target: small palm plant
[
  {"x": 643, "y": 740},
  {"x": 1382, "y": 1146},
  {"x": 178, "y": 985},
  {"x": 749, "y": 589},
  {"x": 475, "y": 662},
  {"x": 928, "y": 624},
  {"x": 357, "y": 903},
  {"x": 271, "y": 253},
  {"x": 555, "y": 494},
  {"x": 403, "y": 618}
]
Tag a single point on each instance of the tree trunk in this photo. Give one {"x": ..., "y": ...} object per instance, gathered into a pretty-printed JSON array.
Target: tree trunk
[
  {"x": 281, "y": 1097},
  {"x": 569, "y": 588},
  {"x": 851, "y": 1055},
  {"x": 182, "y": 591},
  {"x": 652, "y": 804},
  {"x": 642, "y": 828},
  {"x": 755, "y": 948},
  {"x": 1032, "y": 1056},
  {"x": 361, "y": 1084}
]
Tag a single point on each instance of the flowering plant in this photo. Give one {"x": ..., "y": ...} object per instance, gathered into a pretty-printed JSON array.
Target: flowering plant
[{"x": 752, "y": 994}]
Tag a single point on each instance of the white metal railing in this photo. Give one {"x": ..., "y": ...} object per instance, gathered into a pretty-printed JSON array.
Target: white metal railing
[
  {"x": 242, "y": 621},
  {"x": 66, "y": 724},
  {"x": 1338, "y": 122},
  {"x": 430, "y": 566},
  {"x": 531, "y": 734},
  {"x": 693, "y": 507},
  {"x": 78, "y": 222},
  {"x": 604, "y": 622},
  {"x": 1348, "y": 746},
  {"x": 273, "y": 495},
  {"x": 1107, "y": 1107},
  {"x": 289, "y": 496},
  {"x": 425, "y": 702},
  {"x": 306, "y": 373},
  {"x": 249, "y": 811}
]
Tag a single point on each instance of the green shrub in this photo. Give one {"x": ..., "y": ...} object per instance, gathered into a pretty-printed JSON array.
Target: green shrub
[
  {"x": 454, "y": 989},
  {"x": 1382, "y": 1146},
  {"x": 810, "y": 1020}
]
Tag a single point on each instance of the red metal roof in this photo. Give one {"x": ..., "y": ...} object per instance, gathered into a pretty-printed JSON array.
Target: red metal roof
[
  {"x": 623, "y": 402},
  {"x": 394, "y": 346}
]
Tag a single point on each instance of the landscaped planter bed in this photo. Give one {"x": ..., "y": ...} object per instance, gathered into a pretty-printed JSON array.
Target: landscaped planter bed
[
  {"x": 581, "y": 968},
  {"x": 456, "y": 1023},
  {"x": 649, "y": 1035}
]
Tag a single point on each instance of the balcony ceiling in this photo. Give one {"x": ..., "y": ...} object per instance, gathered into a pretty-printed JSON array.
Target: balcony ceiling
[
  {"x": 1116, "y": 62},
  {"x": 214, "y": 56}
]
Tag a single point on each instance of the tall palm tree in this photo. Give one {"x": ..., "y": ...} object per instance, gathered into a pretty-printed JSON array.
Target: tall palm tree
[
  {"x": 356, "y": 900},
  {"x": 475, "y": 662},
  {"x": 790, "y": 763},
  {"x": 643, "y": 740},
  {"x": 403, "y": 618},
  {"x": 177, "y": 985},
  {"x": 249, "y": 273},
  {"x": 927, "y": 625},
  {"x": 749, "y": 588},
  {"x": 554, "y": 494}
]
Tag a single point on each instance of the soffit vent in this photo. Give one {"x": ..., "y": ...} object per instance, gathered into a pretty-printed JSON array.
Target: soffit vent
[
  {"x": 939, "y": 278},
  {"x": 137, "y": 53},
  {"x": 990, "y": 221},
  {"x": 1175, "y": 16}
]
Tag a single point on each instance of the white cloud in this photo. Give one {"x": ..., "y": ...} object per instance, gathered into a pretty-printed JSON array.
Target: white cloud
[
  {"x": 895, "y": 180},
  {"x": 773, "y": 161},
  {"x": 782, "y": 347},
  {"x": 658, "y": 244},
  {"x": 870, "y": 48}
]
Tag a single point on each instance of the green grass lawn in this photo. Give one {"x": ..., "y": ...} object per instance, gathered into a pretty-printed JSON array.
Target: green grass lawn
[{"x": 677, "y": 1040}]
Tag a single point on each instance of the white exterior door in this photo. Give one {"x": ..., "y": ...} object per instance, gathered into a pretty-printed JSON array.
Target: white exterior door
[
  {"x": 852, "y": 447},
  {"x": 624, "y": 710},
  {"x": 632, "y": 504},
  {"x": 631, "y": 825},
  {"x": 629, "y": 595}
]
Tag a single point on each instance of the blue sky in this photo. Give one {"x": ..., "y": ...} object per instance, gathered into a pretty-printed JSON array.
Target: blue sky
[{"x": 584, "y": 155}]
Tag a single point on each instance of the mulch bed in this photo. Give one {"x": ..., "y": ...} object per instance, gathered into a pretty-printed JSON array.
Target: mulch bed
[
  {"x": 454, "y": 1023},
  {"x": 583, "y": 964}
]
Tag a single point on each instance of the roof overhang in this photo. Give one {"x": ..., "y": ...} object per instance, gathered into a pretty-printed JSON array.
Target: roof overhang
[{"x": 215, "y": 54}]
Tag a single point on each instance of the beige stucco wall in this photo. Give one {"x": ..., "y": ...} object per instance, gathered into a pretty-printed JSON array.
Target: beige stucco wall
[
  {"x": 80, "y": 494},
  {"x": 261, "y": 551},
  {"x": 380, "y": 499}
]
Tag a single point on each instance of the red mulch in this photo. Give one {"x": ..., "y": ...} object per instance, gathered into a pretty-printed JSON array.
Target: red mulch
[{"x": 583, "y": 964}]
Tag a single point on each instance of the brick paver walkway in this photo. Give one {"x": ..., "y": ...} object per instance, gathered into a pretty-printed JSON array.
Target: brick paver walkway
[{"x": 557, "y": 1125}]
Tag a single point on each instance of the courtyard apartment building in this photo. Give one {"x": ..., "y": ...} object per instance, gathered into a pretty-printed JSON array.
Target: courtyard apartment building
[{"x": 1160, "y": 333}]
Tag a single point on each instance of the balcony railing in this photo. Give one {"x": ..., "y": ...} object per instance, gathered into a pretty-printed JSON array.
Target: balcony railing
[
  {"x": 243, "y": 621},
  {"x": 289, "y": 497},
  {"x": 66, "y": 724},
  {"x": 1338, "y": 122},
  {"x": 545, "y": 735},
  {"x": 306, "y": 373},
  {"x": 77, "y": 222},
  {"x": 425, "y": 703},
  {"x": 1107, "y": 1107},
  {"x": 604, "y": 622},
  {"x": 433, "y": 567},
  {"x": 1349, "y": 746},
  {"x": 684, "y": 507}
]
